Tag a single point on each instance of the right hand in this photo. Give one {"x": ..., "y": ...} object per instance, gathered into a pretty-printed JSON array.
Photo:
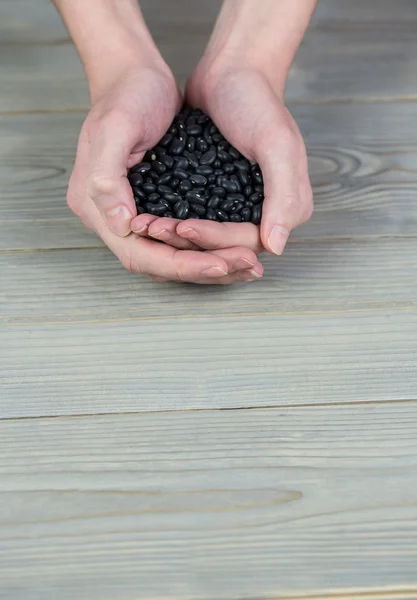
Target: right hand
[{"x": 127, "y": 118}]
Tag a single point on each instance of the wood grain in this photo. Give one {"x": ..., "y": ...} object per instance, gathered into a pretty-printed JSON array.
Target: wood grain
[
  {"x": 87, "y": 286},
  {"x": 362, "y": 162},
  {"x": 231, "y": 504},
  {"x": 351, "y": 52},
  {"x": 212, "y": 361}
]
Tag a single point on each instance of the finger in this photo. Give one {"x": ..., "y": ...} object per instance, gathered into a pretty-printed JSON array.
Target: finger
[
  {"x": 107, "y": 183},
  {"x": 239, "y": 259},
  {"x": 141, "y": 223},
  {"x": 211, "y": 235},
  {"x": 238, "y": 277},
  {"x": 284, "y": 167},
  {"x": 142, "y": 255},
  {"x": 164, "y": 230}
]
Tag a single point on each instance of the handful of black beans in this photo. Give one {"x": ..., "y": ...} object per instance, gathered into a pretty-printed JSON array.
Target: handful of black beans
[{"x": 194, "y": 173}]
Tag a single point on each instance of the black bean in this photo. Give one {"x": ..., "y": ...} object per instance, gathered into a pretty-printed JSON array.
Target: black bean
[
  {"x": 169, "y": 215},
  {"x": 242, "y": 165},
  {"x": 235, "y": 180},
  {"x": 173, "y": 130},
  {"x": 174, "y": 183},
  {"x": 219, "y": 191},
  {"x": 185, "y": 186},
  {"x": 202, "y": 145},
  {"x": 222, "y": 216},
  {"x": 192, "y": 159},
  {"x": 164, "y": 179},
  {"x": 228, "y": 168},
  {"x": 230, "y": 186},
  {"x": 224, "y": 157},
  {"x": 207, "y": 134},
  {"x": 221, "y": 180},
  {"x": 256, "y": 214},
  {"x": 191, "y": 144},
  {"x": 140, "y": 210},
  {"x": 210, "y": 214},
  {"x": 217, "y": 164},
  {"x": 198, "y": 179},
  {"x": 244, "y": 177},
  {"x": 183, "y": 137},
  {"x": 198, "y": 209},
  {"x": 137, "y": 191},
  {"x": 153, "y": 176},
  {"x": 135, "y": 179},
  {"x": 181, "y": 209},
  {"x": 155, "y": 209},
  {"x": 193, "y": 196},
  {"x": 144, "y": 168},
  {"x": 212, "y": 179},
  {"x": 149, "y": 188},
  {"x": 167, "y": 160},
  {"x": 158, "y": 167},
  {"x": 166, "y": 140},
  {"x": 256, "y": 197},
  {"x": 245, "y": 213},
  {"x": 181, "y": 174},
  {"x": 214, "y": 202},
  {"x": 237, "y": 207},
  {"x": 150, "y": 156},
  {"x": 208, "y": 158},
  {"x": 235, "y": 218},
  {"x": 154, "y": 198},
  {"x": 235, "y": 154},
  {"x": 172, "y": 197},
  {"x": 248, "y": 203},
  {"x": 217, "y": 137},
  {"x": 164, "y": 189},
  {"x": 181, "y": 163},
  {"x": 259, "y": 188},
  {"x": 248, "y": 191},
  {"x": 236, "y": 197},
  {"x": 257, "y": 175},
  {"x": 193, "y": 215},
  {"x": 226, "y": 205},
  {"x": 204, "y": 170},
  {"x": 194, "y": 130},
  {"x": 177, "y": 147}
]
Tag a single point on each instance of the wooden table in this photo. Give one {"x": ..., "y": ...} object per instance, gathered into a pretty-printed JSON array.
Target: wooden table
[{"x": 178, "y": 442}]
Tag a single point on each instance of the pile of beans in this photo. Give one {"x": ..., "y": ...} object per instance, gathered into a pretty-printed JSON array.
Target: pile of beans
[{"x": 194, "y": 173}]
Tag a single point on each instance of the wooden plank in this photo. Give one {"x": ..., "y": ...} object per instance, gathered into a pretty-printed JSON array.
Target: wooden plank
[
  {"x": 362, "y": 161},
  {"x": 90, "y": 285},
  {"x": 231, "y": 361},
  {"x": 293, "y": 503},
  {"x": 351, "y": 52}
]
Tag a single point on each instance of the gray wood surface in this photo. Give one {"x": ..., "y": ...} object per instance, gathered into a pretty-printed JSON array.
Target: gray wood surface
[
  {"x": 124, "y": 471},
  {"x": 232, "y": 504}
]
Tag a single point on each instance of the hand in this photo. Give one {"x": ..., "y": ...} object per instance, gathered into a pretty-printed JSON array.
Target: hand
[
  {"x": 253, "y": 117},
  {"x": 127, "y": 119}
]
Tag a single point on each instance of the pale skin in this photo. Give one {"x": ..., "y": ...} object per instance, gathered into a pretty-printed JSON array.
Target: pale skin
[{"x": 239, "y": 83}]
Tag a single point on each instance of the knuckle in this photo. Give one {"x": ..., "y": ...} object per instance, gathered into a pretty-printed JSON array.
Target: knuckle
[
  {"x": 100, "y": 184},
  {"x": 130, "y": 264}
]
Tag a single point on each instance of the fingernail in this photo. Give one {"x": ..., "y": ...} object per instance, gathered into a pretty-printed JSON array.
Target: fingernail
[
  {"x": 141, "y": 230},
  {"x": 118, "y": 219},
  {"x": 255, "y": 273},
  {"x": 278, "y": 239},
  {"x": 242, "y": 263},
  {"x": 188, "y": 233},
  {"x": 158, "y": 233},
  {"x": 214, "y": 272}
]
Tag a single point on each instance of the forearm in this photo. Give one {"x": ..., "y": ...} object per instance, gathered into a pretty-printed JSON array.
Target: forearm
[
  {"x": 110, "y": 36},
  {"x": 264, "y": 34}
]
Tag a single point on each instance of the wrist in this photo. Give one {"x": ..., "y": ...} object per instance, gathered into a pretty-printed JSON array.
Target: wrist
[
  {"x": 263, "y": 36},
  {"x": 111, "y": 38}
]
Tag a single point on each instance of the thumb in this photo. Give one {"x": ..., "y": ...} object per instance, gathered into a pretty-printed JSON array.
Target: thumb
[
  {"x": 107, "y": 183},
  {"x": 288, "y": 198}
]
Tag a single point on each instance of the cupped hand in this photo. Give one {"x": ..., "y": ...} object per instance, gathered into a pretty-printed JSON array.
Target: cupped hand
[
  {"x": 252, "y": 116},
  {"x": 128, "y": 117}
]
